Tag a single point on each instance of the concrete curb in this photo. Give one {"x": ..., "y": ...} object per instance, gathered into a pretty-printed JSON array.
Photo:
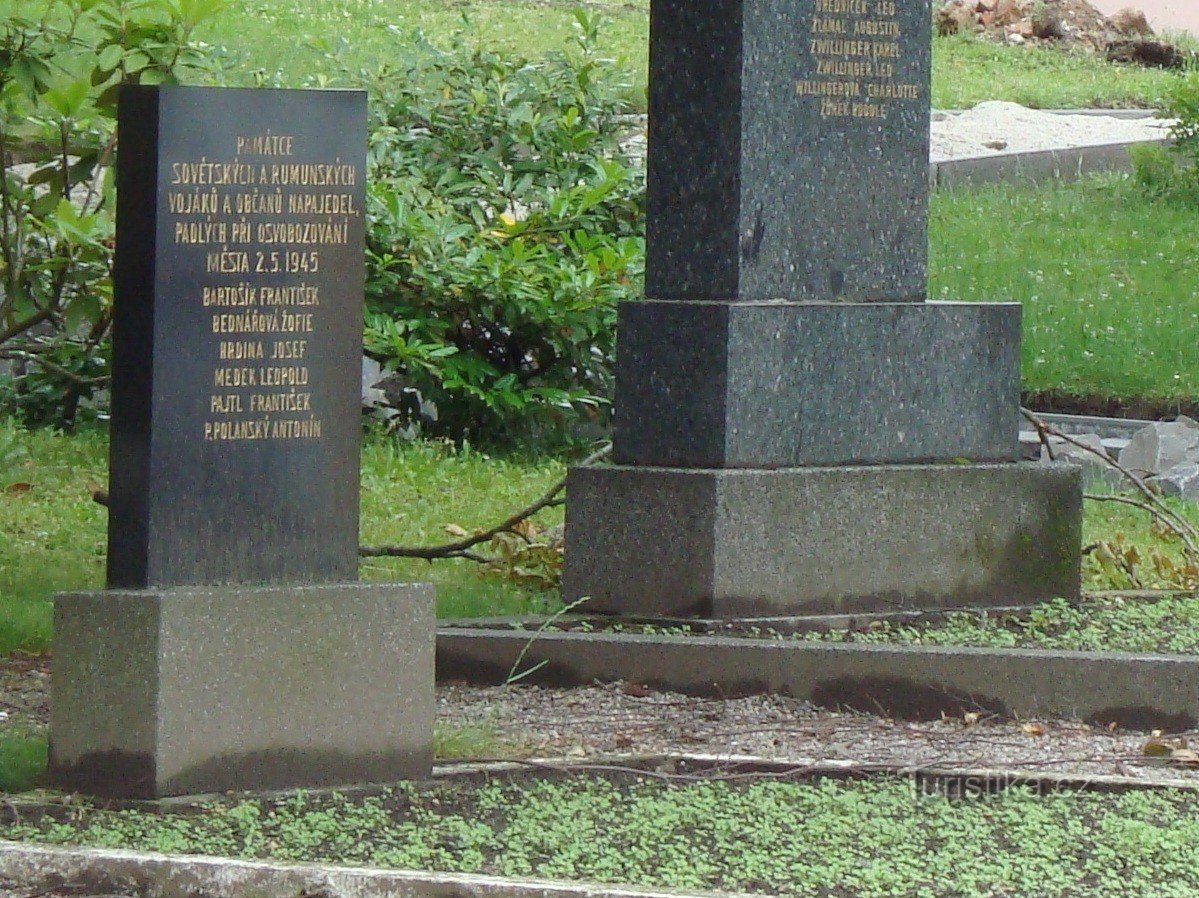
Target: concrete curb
[
  {"x": 915, "y": 682},
  {"x": 1037, "y": 166},
  {"x": 1124, "y": 114},
  {"x": 164, "y": 876}
]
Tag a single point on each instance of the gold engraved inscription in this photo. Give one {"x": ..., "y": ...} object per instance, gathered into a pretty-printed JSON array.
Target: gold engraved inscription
[
  {"x": 261, "y": 221},
  {"x": 855, "y": 46}
]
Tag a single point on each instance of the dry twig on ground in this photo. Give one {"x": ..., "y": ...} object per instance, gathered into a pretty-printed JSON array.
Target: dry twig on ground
[{"x": 463, "y": 548}]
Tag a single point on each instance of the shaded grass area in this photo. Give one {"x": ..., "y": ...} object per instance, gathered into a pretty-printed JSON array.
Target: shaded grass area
[
  {"x": 52, "y": 535},
  {"x": 825, "y": 838},
  {"x": 1109, "y": 280},
  {"x": 23, "y": 754},
  {"x": 411, "y": 492}
]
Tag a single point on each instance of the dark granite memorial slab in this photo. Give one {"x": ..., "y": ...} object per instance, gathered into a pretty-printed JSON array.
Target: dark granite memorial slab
[
  {"x": 788, "y": 150},
  {"x": 237, "y": 337},
  {"x": 770, "y": 385},
  {"x": 665, "y": 542}
]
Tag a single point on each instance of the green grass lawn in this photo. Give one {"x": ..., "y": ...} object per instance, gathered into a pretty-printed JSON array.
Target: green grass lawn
[
  {"x": 1109, "y": 281},
  {"x": 1110, "y": 286},
  {"x": 272, "y": 36},
  {"x": 52, "y": 534},
  {"x": 307, "y": 43},
  {"x": 967, "y": 71},
  {"x": 867, "y": 839}
]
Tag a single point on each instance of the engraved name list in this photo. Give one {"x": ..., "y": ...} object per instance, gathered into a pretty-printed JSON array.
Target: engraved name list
[
  {"x": 853, "y": 58},
  {"x": 261, "y": 221}
]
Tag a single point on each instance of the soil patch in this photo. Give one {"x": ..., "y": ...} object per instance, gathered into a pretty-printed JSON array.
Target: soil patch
[
  {"x": 1062, "y": 403},
  {"x": 24, "y": 691},
  {"x": 1125, "y": 36},
  {"x": 630, "y": 718}
]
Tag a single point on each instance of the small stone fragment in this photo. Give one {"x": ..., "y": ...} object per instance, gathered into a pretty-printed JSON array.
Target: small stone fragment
[
  {"x": 1130, "y": 22},
  {"x": 1161, "y": 446},
  {"x": 1181, "y": 481},
  {"x": 1094, "y": 468}
]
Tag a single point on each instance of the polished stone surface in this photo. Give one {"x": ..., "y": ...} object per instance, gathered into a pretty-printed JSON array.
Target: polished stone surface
[
  {"x": 237, "y": 337},
  {"x": 788, "y": 150},
  {"x": 183, "y": 691},
  {"x": 718, "y": 543},
  {"x": 774, "y": 385}
]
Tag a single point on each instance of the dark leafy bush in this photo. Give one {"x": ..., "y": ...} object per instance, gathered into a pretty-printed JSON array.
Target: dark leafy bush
[
  {"x": 60, "y": 66},
  {"x": 505, "y": 224},
  {"x": 1173, "y": 172}
]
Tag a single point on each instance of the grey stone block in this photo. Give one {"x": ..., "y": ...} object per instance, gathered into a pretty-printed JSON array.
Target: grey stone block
[
  {"x": 713, "y": 543},
  {"x": 1181, "y": 481},
  {"x": 168, "y": 692},
  {"x": 1036, "y": 166},
  {"x": 771, "y": 385},
  {"x": 1095, "y": 470},
  {"x": 1161, "y": 446}
]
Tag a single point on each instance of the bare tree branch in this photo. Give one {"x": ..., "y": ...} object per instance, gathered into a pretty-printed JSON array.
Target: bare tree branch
[
  {"x": 56, "y": 369},
  {"x": 1152, "y": 503},
  {"x": 21, "y": 326}
]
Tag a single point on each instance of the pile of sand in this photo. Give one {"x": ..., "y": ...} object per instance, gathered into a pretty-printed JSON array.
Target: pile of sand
[{"x": 999, "y": 127}]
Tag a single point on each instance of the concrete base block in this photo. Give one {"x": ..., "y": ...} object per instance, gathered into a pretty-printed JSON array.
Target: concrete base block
[
  {"x": 183, "y": 691},
  {"x": 724, "y": 543},
  {"x": 780, "y": 385}
]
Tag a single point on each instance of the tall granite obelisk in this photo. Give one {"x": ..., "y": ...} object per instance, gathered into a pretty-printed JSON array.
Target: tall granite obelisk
[{"x": 798, "y": 430}]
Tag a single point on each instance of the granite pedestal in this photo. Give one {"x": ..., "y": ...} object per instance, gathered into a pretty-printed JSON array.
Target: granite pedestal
[
  {"x": 678, "y": 542},
  {"x": 180, "y": 691},
  {"x": 786, "y": 331},
  {"x": 771, "y": 385}
]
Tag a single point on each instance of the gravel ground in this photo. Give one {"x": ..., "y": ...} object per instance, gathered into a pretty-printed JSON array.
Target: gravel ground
[
  {"x": 630, "y": 719},
  {"x": 625, "y": 718},
  {"x": 16, "y": 890},
  {"x": 24, "y": 691}
]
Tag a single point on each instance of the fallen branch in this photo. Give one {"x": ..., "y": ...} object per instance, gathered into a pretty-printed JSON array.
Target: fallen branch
[
  {"x": 34, "y": 358},
  {"x": 462, "y": 548}
]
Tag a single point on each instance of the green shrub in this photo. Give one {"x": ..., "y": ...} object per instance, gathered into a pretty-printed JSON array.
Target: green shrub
[
  {"x": 59, "y": 70},
  {"x": 504, "y": 219},
  {"x": 1173, "y": 172},
  {"x": 505, "y": 224}
]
